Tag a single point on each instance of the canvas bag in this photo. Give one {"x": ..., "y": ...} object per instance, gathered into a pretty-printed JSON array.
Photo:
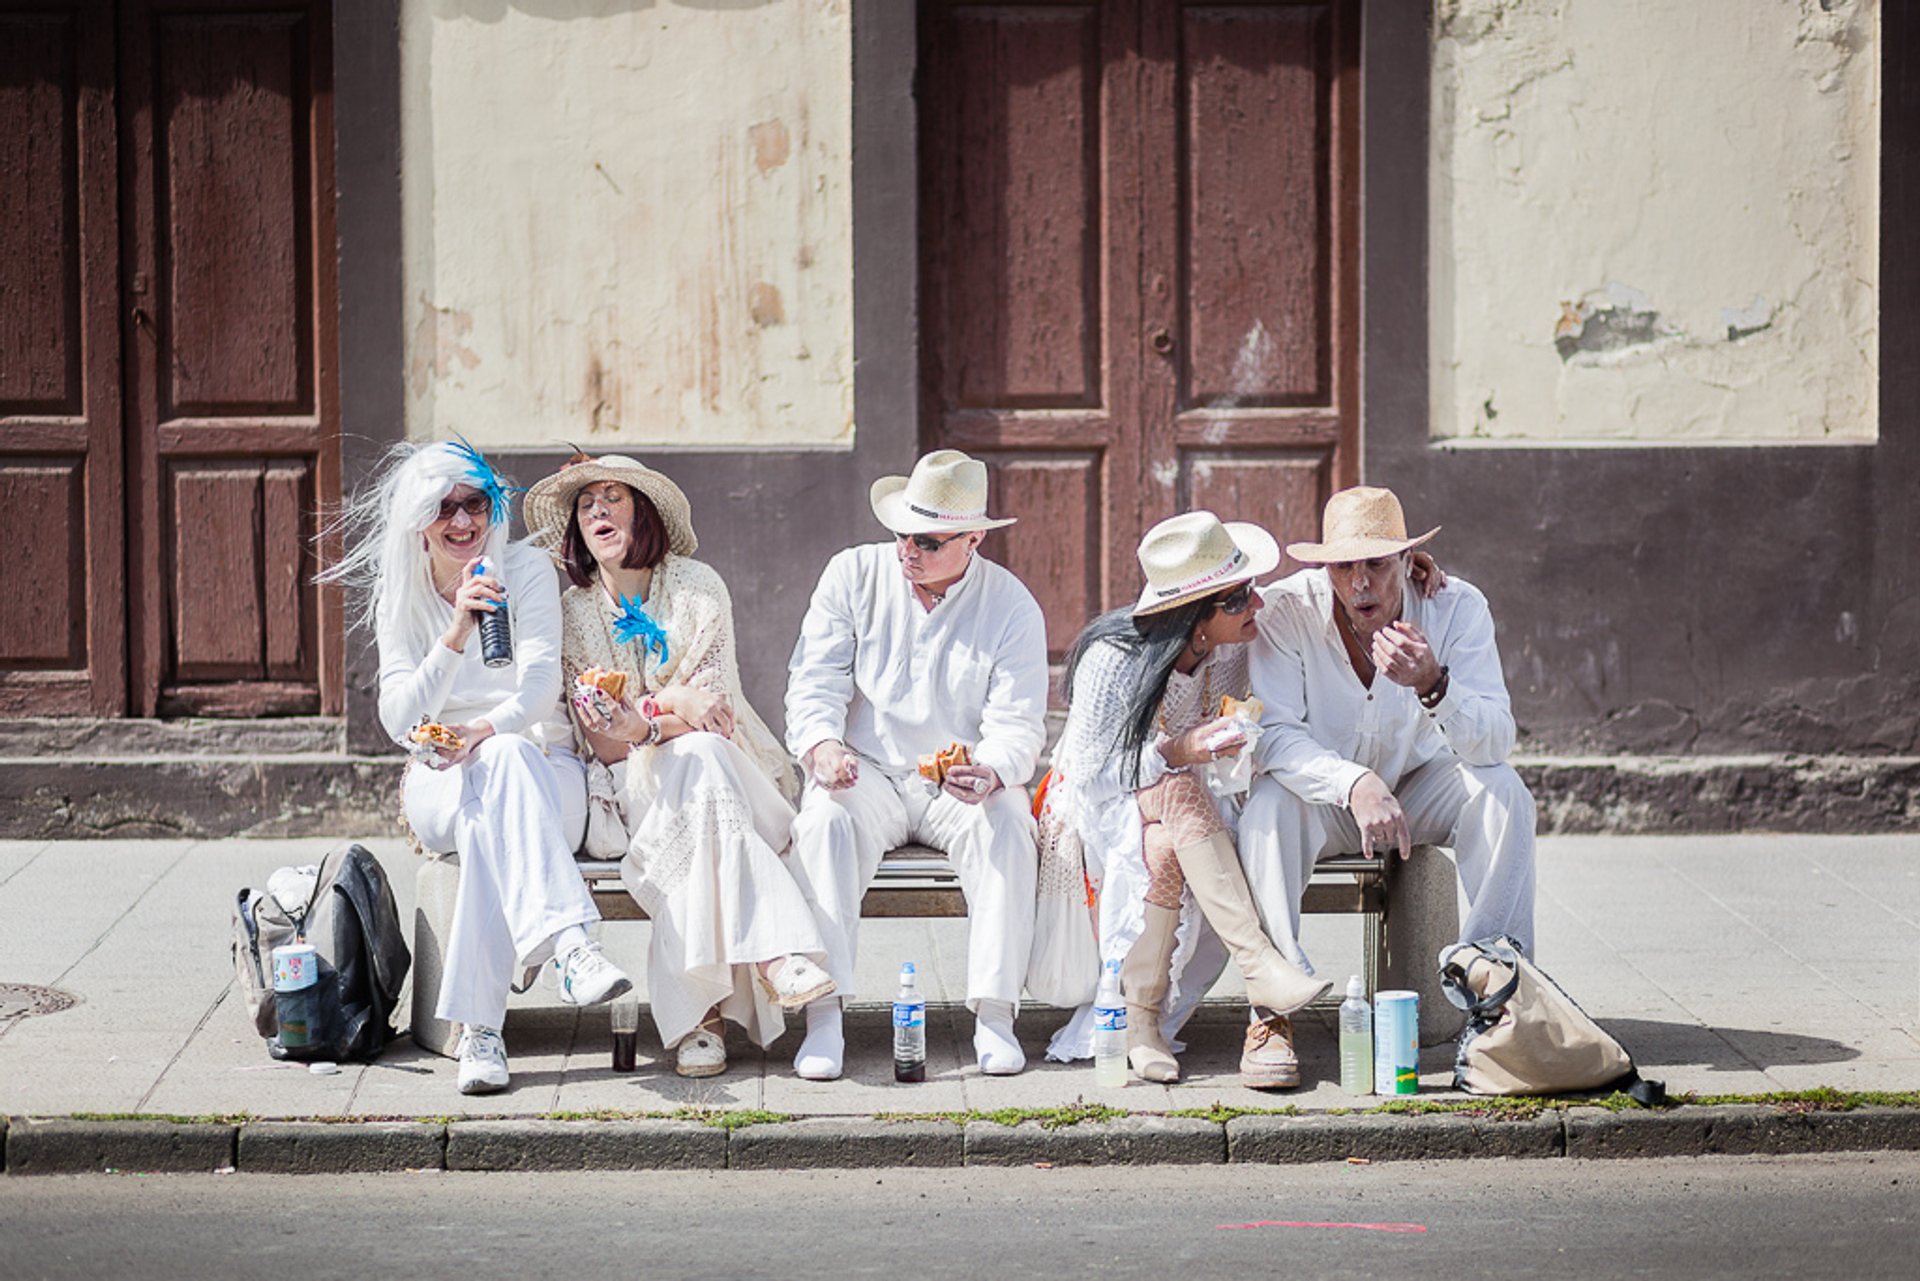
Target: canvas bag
[
  {"x": 354, "y": 927},
  {"x": 1524, "y": 1035}
]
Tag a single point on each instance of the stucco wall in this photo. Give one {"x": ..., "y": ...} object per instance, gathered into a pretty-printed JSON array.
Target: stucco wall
[
  {"x": 628, "y": 222},
  {"x": 1655, "y": 222}
]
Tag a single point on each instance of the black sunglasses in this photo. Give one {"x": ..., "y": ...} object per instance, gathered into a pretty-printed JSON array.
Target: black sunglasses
[
  {"x": 474, "y": 505},
  {"x": 1236, "y": 601},
  {"x": 928, "y": 543}
]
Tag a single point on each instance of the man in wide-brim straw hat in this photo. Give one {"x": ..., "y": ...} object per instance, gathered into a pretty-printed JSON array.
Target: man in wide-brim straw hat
[
  {"x": 908, "y": 647},
  {"x": 1387, "y": 725}
]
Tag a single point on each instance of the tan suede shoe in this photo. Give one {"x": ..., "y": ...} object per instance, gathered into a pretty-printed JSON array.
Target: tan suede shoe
[{"x": 1267, "y": 1062}]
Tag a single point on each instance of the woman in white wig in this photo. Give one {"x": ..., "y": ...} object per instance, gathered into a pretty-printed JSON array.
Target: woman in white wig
[
  {"x": 689, "y": 789},
  {"x": 502, "y": 785}
]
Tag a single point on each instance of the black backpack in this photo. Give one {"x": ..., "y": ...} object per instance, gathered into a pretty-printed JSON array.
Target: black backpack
[{"x": 354, "y": 927}]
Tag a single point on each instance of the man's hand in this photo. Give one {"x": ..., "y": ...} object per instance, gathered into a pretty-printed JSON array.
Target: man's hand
[
  {"x": 1402, "y": 655},
  {"x": 473, "y": 735},
  {"x": 1382, "y": 824},
  {"x": 712, "y": 713},
  {"x": 832, "y": 766},
  {"x": 970, "y": 784},
  {"x": 1207, "y": 741}
]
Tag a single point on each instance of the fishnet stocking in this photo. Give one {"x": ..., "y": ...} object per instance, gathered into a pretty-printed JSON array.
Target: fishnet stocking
[{"x": 1176, "y": 811}]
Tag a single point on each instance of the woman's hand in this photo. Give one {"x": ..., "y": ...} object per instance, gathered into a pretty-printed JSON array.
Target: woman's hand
[
  {"x": 1206, "y": 741},
  {"x": 627, "y": 724},
  {"x": 1426, "y": 575},
  {"x": 478, "y": 594},
  {"x": 712, "y": 713},
  {"x": 471, "y": 737}
]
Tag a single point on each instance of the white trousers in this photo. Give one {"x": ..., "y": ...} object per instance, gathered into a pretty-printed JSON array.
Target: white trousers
[
  {"x": 515, "y": 815},
  {"x": 1483, "y": 813},
  {"x": 708, "y": 827},
  {"x": 840, "y": 836}
]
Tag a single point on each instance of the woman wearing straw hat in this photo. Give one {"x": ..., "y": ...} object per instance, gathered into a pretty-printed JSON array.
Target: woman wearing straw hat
[
  {"x": 690, "y": 789},
  {"x": 908, "y": 647},
  {"x": 503, "y": 786},
  {"x": 1145, "y": 722}
]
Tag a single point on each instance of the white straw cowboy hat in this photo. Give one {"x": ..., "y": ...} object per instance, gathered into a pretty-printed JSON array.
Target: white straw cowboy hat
[
  {"x": 1362, "y": 523},
  {"x": 549, "y": 504},
  {"x": 947, "y": 494},
  {"x": 1193, "y": 555}
]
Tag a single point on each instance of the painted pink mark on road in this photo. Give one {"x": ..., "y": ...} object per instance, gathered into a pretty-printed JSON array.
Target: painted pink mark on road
[{"x": 1364, "y": 1227}]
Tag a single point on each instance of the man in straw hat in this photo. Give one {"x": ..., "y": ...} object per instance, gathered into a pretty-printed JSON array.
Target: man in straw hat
[
  {"x": 908, "y": 648},
  {"x": 1387, "y": 725}
]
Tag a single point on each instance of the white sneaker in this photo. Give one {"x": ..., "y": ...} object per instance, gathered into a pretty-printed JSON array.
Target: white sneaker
[
  {"x": 993, "y": 1040},
  {"x": 821, "y": 1053},
  {"x": 588, "y": 978},
  {"x": 483, "y": 1061}
]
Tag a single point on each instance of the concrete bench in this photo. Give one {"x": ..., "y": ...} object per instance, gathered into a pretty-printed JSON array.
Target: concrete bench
[{"x": 1408, "y": 908}]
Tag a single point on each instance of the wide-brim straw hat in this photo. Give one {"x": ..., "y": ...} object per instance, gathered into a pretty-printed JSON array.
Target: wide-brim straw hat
[
  {"x": 549, "y": 504},
  {"x": 946, "y": 494},
  {"x": 1196, "y": 554},
  {"x": 1362, "y": 523}
]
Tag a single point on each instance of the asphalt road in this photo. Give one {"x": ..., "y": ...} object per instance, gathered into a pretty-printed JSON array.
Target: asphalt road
[{"x": 1802, "y": 1217}]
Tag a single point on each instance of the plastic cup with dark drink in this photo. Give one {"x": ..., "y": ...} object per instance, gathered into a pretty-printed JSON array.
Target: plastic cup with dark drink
[
  {"x": 496, "y": 633},
  {"x": 626, "y": 1032}
]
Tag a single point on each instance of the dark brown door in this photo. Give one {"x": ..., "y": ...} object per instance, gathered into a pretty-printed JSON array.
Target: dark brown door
[
  {"x": 1138, "y": 271},
  {"x": 62, "y": 619}
]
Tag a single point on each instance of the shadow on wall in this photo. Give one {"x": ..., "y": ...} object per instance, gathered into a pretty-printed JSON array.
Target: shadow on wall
[
  {"x": 565, "y": 10},
  {"x": 1722, "y": 1049}
]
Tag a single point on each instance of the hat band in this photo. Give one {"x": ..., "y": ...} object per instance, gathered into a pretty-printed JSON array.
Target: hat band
[
  {"x": 930, "y": 514},
  {"x": 1233, "y": 562}
]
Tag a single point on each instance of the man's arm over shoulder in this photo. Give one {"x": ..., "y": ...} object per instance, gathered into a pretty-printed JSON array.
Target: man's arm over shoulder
[
  {"x": 1013, "y": 724},
  {"x": 820, "y": 672},
  {"x": 1475, "y": 714},
  {"x": 1277, "y": 664}
]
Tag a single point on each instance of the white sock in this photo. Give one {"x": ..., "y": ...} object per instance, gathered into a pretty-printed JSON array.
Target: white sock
[
  {"x": 568, "y": 939},
  {"x": 821, "y": 1055},
  {"x": 993, "y": 1040}
]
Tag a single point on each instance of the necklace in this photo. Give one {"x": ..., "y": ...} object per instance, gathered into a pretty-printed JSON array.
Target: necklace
[{"x": 1360, "y": 648}]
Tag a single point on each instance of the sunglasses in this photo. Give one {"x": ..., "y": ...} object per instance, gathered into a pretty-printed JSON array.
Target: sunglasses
[
  {"x": 474, "y": 505},
  {"x": 1236, "y": 601},
  {"x": 927, "y": 542}
]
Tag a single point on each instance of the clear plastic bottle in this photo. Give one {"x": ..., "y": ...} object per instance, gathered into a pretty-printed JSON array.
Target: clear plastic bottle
[
  {"x": 1356, "y": 1040},
  {"x": 1109, "y": 1030},
  {"x": 909, "y": 1028}
]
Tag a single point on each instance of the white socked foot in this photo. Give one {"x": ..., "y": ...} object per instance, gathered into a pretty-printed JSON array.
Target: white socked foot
[
  {"x": 998, "y": 1050},
  {"x": 821, "y": 1054}
]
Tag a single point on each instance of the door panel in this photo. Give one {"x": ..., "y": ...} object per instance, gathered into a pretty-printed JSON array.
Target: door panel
[
  {"x": 62, "y": 623},
  {"x": 1139, "y": 286}
]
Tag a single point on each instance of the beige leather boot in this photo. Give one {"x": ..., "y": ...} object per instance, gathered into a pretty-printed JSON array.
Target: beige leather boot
[
  {"x": 1144, "y": 980},
  {"x": 1219, "y": 885}
]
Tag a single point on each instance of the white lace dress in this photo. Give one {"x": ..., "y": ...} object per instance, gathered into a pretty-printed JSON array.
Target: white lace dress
[
  {"x": 705, "y": 820},
  {"x": 1090, "y": 804}
]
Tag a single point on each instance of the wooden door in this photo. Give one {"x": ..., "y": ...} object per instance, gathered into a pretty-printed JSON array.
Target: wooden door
[
  {"x": 233, "y": 418},
  {"x": 62, "y": 620},
  {"x": 1139, "y": 288}
]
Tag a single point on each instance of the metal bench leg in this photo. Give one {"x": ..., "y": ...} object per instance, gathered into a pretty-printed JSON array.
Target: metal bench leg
[
  {"x": 1423, "y": 916},
  {"x": 435, "y": 886}
]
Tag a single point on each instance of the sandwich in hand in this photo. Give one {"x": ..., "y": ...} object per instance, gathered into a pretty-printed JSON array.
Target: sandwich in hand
[
  {"x": 437, "y": 736},
  {"x": 1251, "y": 708},
  {"x": 934, "y": 765},
  {"x": 612, "y": 684}
]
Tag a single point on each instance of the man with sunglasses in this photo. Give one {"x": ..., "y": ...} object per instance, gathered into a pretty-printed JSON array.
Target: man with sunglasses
[
  {"x": 909, "y": 647},
  {"x": 1387, "y": 725}
]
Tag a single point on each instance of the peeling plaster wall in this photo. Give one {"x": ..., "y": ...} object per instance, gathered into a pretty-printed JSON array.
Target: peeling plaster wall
[
  {"x": 628, "y": 222},
  {"x": 1655, "y": 222}
]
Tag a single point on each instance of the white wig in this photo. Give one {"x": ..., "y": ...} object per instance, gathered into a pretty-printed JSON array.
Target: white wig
[{"x": 385, "y": 526}]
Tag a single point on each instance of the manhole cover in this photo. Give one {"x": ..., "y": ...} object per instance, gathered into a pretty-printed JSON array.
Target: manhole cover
[{"x": 24, "y": 1000}]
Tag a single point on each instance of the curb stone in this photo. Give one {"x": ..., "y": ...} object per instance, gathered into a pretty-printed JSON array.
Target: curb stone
[
  {"x": 826, "y": 1143},
  {"x": 312, "y": 1147},
  {"x": 61, "y": 1146},
  {"x": 585, "y": 1145},
  {"x": 1302, "y": 1139},
  {"x": 1135, "y": 1140},
  {"x": 1595, "y": 1133},
  {"x": 1738, "y": 1130}
]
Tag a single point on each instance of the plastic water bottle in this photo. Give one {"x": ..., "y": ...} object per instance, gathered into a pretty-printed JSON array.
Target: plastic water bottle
[
  {"x": 1109, "y": 1030},
  {"x": 1356, "y": 1039},
  {"x": 909, "y": 1028},
  {"x": 496, "y": 634}
]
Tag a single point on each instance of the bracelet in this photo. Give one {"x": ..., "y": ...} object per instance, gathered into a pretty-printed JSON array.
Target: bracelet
[
  {"x": 650, "y": 707},
  {"x": 1431, "y": 699}
]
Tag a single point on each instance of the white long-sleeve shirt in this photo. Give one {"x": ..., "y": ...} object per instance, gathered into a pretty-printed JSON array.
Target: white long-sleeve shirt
[
  {"x": 1323, "y": 729},
  {"x": 457, "y": 688},
  {"x": 893, "y": 680}
]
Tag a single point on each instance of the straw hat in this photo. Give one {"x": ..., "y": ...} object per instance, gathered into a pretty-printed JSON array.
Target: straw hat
[
  {"x": 1193, "y": 555},
  {"x": 947, "y": 494},
  {"x": 1362, "y": 523},
  {"x": 549, "y": 504}
]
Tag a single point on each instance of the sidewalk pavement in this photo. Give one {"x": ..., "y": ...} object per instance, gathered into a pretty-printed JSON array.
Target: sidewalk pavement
[{"x": 1726, "y": 964}]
